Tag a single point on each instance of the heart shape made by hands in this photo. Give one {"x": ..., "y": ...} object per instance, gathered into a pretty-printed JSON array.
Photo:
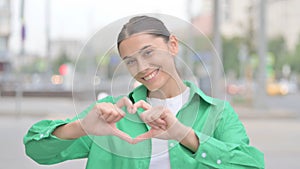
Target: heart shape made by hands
[
  {"x": 102, "y": 119},
  {"x": 154, "y": 128}
]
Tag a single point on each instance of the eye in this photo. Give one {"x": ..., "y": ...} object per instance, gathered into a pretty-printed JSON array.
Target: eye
[
  {"x": 130, "y": 62},
  {"x": 148, "y": 52}
]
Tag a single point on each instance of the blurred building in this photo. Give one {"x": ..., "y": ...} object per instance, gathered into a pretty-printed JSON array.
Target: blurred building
[
  {"x": 283, "y": 19},
  {"x": 237, "y": 17},
  {"x": 5, "y": 27},
  {"x": 69, "y": 47}
]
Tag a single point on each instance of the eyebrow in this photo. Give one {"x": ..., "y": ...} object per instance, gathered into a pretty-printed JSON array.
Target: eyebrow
[{"x": 140, "y": 50}]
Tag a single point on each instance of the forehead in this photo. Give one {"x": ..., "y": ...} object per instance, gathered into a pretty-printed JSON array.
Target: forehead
[{"x": 137, "y": 42}]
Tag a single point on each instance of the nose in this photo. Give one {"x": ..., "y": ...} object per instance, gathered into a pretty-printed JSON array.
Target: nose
[{"x": 142, "y": 65}]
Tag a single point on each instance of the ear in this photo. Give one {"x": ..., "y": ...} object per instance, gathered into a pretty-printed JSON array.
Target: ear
[{"x": 173, "y": 45}]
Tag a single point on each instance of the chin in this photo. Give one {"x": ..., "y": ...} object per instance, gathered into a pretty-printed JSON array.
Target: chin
[{"x": 151, "y": 88}]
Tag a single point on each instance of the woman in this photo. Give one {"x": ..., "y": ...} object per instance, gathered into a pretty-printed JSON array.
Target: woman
[{"x": 164, "y": 123}]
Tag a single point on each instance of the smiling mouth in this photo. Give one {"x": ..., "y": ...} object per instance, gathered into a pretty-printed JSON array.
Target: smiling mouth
[{"x": 151, "y": 75}]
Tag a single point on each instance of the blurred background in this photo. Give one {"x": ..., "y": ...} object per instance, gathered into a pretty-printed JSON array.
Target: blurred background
[{"x": 255, "y": 64}]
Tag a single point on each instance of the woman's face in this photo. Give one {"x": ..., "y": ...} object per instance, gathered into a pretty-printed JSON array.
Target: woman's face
[{"x": 149, "y": 59}]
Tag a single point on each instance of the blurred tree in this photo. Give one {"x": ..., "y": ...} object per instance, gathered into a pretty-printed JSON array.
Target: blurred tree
[
  {"x": 248, "y": 41},
  {"x": 62, "y": 59},
  {"x": 278, "y": 49},
  {"x": 249, "y": 35},
  {"x": 230, "y": 55},
  {"x": 294, "y": 59},
  {"x": 38, "y": 65}
]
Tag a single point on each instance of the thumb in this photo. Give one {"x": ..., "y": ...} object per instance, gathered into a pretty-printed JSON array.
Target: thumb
[
  {"x": 143, "y": 137},
  {"x": 142, "y": 104},
  {"x": 122, "y": 135},
  {"x": 125, "y": 101}
]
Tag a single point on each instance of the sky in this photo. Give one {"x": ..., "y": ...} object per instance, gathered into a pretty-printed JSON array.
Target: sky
[{"x": 79, "y": 19}]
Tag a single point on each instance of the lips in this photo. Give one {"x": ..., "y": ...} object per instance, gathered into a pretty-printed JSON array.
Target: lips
[{"x": 151, "y": 75}]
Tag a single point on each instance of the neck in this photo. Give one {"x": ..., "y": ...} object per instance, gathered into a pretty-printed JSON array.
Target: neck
[{"x": 172, "y": 88}]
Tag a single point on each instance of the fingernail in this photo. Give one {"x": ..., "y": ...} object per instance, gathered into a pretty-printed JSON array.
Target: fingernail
[
  {"x": 134, "y": 110},
  {"x": 131, "y": 110}
]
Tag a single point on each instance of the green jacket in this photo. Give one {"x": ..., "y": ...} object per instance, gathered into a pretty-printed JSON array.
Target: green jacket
[{"x": 223, "y": 140}]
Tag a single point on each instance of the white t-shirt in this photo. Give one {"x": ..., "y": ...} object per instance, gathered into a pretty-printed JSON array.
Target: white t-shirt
[{"x": 160, "y": 154}]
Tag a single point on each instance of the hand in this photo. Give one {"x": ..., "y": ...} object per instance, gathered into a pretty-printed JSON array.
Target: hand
[
  {"x": 164, "y": 125},
  {"x": 100, "y": 121}
]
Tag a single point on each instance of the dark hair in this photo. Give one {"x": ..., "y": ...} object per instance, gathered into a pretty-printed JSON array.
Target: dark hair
[{"x": 147, "y": 24}]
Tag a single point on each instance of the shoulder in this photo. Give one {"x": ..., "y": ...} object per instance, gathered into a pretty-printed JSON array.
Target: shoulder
[{"x": 110, "y": 99}]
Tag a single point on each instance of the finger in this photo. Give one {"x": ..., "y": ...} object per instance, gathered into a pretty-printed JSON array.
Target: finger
[
  {"x": 125, "y": 101},
  {"x": 113, "y": 118},
  {"x": 104, "y": 109},
  {"x": 159, "y": 122},
  {"x": 143, "y": 137},
  {"x": 151, "y": 115},
  {"x": 120, "y": 111},
  {"x": 141, "y": 104},
  {"x": 158, "y": 126},
  {"x": 163, "y": 127},
  {"x": 153, "y": 118},
  {"x": 122, "y": 135},
  {"x": 116, "y": 115},
  {"x": 111, "y": 113},
  {"x": 146, "y": 116},
  {"x": 154, "y": 126},
  {"x": 163, "y": 115},
  {"x": 108, "y": 111},
  {"x": 117, "y": 119},
  {"x": 104, "y": 116}
]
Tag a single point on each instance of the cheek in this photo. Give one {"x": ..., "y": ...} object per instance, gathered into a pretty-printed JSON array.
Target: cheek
[
  {"x": 166, "y": 62},
  {"x": 159, "y": 60},
  {"x": 132, "y": 71}
]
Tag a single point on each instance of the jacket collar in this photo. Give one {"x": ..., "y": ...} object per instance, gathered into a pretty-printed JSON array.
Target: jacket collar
[{"x": 140, "y": 93}]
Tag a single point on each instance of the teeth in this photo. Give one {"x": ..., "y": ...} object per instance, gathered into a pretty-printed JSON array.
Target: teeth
[{"x": 150, "y": 76}]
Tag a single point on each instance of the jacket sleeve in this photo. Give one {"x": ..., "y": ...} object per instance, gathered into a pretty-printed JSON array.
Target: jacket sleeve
[
  {"x": 228, "y": 147},
  {"x": 45, "y": 148}
]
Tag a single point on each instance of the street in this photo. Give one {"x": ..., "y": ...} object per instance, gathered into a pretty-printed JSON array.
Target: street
[
  {"x": 278, "y": 139},
  {"x": 12, "y": 130},
  {"x": 277, "y": 136}
]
